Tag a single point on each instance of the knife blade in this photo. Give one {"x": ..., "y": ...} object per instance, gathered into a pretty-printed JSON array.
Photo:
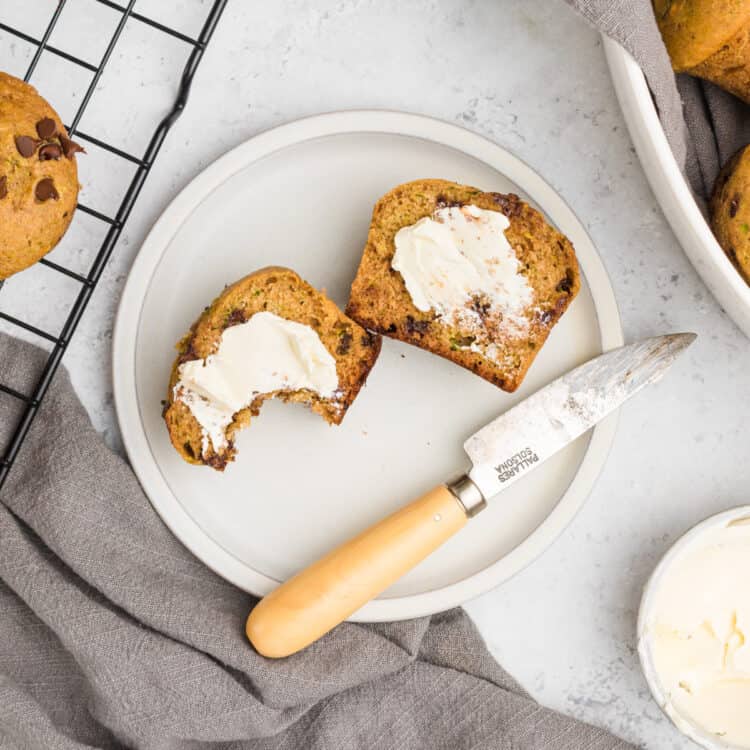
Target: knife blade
[
  {"x": 526, "y": 435},
  {"x": 321, "y": 596}
]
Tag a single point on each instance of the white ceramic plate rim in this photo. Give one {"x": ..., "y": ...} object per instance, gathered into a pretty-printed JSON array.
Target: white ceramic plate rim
[
  {"x": 671, "y": 190},
  {"x": 264, "y": 144},
  {"x": 650, "y": 590}
]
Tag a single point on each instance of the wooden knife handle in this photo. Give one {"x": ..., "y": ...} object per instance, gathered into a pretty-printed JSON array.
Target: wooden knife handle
[{"x": 320, "y": 597}]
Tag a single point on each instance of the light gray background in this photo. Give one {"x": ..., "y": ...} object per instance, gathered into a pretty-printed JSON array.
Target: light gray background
[{"x": 532, "y": 77}]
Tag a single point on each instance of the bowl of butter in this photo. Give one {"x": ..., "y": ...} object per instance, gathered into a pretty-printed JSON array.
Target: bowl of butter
[{"x": 694, "y": 632}]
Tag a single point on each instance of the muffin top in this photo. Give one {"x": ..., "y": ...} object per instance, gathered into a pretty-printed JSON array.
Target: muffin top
[
  {"x": 693, "y": 30},
  {"x": 38, "y": 176}
]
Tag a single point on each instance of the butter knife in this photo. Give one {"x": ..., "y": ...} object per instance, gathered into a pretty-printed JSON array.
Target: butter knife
[{"x": 321, "y": 596}]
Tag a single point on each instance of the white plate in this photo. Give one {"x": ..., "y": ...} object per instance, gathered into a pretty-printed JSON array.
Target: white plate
[
  {"x": 301, "y": 195},
  {"x": 671, "y": 190}
]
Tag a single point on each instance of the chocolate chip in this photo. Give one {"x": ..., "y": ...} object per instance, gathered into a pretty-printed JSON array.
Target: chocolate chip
[
  {"x": 416, "y": 326},
  {"x": 216, "y": 462},
  {"x": 70, "y": 148},
  {"x": 236, "y": 317},
  {"x": 510, "y": 203},
  {"x": 50, "y": 151},
  {"x": 46, "y": 128},
  {"x": 45, "y": 189},
  {"x": 443, "y": 202},
  {"x": 345, "y": 343},
  {"x": 481, "y": 306},
  {"x": 391, "y": 328},
  {"x": 546, "y": 317},
  {"x": 26, "y": 145},
  {"x": 3, "y": 187},
  {"x": 734, "y": 205},
  {"x": 566, "y": 284}
]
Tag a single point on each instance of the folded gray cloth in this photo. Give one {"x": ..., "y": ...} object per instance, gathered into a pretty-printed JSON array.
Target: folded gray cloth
[
  {"x": 113, "y": 635},
  {"x": 704, "y": 125}
]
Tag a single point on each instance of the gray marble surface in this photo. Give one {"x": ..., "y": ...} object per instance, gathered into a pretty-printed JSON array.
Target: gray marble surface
[{"x": 532, "y": 77}]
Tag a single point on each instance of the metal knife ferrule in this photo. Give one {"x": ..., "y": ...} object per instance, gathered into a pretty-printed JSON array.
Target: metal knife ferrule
[{"x": 468, "y": 495}]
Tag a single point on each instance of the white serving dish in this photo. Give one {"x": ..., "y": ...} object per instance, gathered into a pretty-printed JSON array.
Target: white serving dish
[
  {"x": 301, "y": 195},
  {"x": 671, "y": 189},
  {"x": 709, "y": 741}
]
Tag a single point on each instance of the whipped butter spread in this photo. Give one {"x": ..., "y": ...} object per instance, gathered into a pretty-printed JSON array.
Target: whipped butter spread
[
  {"x": 266, "y": 353},
  {"x": 459, "y": 263},
  {"x": 698, "y": 634}
]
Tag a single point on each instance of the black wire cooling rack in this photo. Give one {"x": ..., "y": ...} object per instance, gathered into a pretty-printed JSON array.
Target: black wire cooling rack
[{"x": 87, "y": 283}]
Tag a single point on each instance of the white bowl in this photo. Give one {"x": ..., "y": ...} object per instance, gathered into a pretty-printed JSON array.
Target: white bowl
[
  {"x": 650, "y": 591},
  {"x": 671, "y": 190}
]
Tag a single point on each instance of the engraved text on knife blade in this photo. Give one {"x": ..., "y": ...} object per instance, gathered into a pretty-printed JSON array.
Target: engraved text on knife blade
[{"x": 532, "y": 431}]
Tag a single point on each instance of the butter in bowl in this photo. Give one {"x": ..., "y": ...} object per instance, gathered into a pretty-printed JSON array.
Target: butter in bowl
[{"x": 694, "y": 632}]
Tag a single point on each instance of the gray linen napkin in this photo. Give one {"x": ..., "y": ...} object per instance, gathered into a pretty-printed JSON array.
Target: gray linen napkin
[
  {"x": 113, "y": 635},
  {"x": 704, "y": 125}
]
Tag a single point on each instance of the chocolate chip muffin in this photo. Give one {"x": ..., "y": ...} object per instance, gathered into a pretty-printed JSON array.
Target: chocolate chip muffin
[
  {"x": 281, "y": 293},
  {"x": 730, "y": 211},
  {"x": 38, "y": 176},
  {"x": 709, "y": 39},
  {"x": 495, "y": 324}
]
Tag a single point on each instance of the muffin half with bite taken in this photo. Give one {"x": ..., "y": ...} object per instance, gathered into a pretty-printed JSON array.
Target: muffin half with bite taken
[{"x": 269, "y": 335}]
